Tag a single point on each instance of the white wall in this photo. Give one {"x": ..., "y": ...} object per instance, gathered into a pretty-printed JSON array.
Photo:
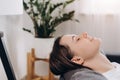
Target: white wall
[
  {"x": 105, "y": 27},
  {"x": 19, "y": 42},
  {"x": 11, "y": 7},
  {"x": 14, "y": 39}
]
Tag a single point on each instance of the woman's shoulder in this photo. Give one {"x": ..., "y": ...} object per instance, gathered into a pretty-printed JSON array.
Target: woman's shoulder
[{"x": 83, "y": 74}]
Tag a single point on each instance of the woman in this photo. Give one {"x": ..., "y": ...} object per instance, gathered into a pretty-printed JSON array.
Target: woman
[{"x": 77, "y": 57}]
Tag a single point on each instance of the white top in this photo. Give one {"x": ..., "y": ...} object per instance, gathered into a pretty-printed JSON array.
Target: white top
[{"x": 113, "y": 74}]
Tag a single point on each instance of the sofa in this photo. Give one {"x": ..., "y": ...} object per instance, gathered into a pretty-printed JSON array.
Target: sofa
[{"x": 114, "y": 58}]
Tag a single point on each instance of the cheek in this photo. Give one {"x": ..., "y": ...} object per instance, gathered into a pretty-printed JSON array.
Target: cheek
[
  {"x": 85, "y": 49},
  {"x": 81, "y": 50},
  {"x": 88, "y": 50},
  {"x": 92, "y": 50}
]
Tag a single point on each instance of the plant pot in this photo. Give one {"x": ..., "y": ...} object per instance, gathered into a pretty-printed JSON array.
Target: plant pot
[{"x": 43, "y": 46}]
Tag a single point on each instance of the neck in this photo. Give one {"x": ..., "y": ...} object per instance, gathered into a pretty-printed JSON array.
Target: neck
[{"x": 99, "y": 63}]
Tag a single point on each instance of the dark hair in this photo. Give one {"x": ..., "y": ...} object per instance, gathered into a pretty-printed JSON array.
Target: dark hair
[{"x": 60, "y": 59}]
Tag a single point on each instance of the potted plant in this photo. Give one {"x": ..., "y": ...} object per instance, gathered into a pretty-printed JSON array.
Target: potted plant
[
  {"x": 45, "y": 21},
  {"x": 40, "y": 11}
]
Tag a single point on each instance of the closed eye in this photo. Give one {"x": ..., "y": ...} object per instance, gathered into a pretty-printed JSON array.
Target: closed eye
[{"x": 75, "y": 38}]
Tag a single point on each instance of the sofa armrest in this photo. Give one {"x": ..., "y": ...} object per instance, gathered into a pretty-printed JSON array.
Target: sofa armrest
[{"x": 114, "y": 58}]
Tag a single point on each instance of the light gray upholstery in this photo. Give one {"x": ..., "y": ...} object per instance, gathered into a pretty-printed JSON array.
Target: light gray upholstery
[{"x": 82, "y": 74}]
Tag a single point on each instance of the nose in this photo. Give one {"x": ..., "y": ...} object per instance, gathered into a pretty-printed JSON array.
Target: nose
[{"x": 84, "y": 35}]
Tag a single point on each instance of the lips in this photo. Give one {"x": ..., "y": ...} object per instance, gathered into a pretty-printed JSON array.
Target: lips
[{"x": 92, "y": 38}]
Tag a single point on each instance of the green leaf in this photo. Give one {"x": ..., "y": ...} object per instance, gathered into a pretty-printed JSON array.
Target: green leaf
[
  {"x": 52, "y": 8},
  {"x": 69, "y": 15},
  {"x": 42, "y": 13},
  {"x": 65, "y": 17},
  {"x": 70, "y": 1},
  {"x": 46, "y": 5},
  {"x": 76, "y": 20},
  {"x": 27, "y": 30},
  {"x": 25, "y": 5}
]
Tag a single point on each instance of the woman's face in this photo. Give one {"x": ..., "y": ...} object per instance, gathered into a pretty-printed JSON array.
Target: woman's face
[{"x": 82, "y": 45}]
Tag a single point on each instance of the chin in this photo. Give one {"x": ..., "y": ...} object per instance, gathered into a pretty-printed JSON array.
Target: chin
[{"x": 98, "y": 40}]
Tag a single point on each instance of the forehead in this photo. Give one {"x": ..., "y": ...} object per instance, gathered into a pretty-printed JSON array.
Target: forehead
[{"x": 66, "y": 39}]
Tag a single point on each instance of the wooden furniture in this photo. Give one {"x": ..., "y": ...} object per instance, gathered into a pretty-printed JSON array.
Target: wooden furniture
[{"x": 31, "y": 59}]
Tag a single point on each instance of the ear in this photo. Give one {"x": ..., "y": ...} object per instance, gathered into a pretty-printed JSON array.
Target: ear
[{"x": 78, "y": 60}]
